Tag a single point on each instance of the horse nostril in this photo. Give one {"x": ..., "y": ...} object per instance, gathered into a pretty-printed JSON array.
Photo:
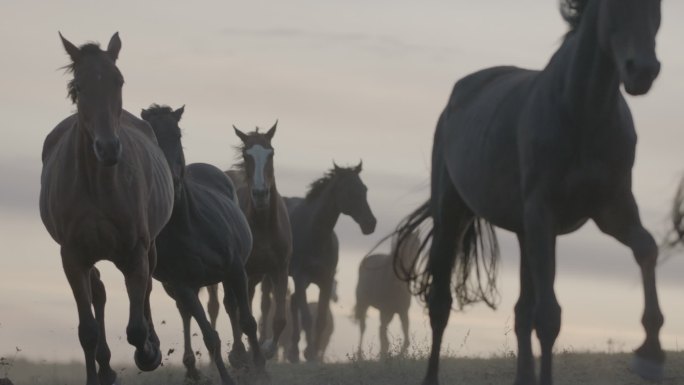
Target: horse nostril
[{"x": 630, "y": 66}]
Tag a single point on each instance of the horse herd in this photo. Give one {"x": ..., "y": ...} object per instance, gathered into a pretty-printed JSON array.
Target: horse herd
[{"x": 538, "y": 153}]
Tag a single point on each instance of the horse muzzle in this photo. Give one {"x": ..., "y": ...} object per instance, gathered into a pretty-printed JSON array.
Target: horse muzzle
[
  {"x": 108, "y": 151},
  {"x": 639, "y": 75}
]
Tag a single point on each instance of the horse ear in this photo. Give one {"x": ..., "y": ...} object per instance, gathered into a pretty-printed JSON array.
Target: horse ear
[
  {"x": 272, "y": 131},
  {"x": 179, "y": 113},
  {"x": 71, "y": 49},
  {"x": 335, "y": 166},
  {"x": 240, "y": 134},
  {"x": 144, "y": 114},
  {"x": 359, "y": 167},
  {"x": 114, "y": 46}
]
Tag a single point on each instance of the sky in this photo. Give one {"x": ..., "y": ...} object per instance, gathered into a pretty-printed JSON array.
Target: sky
[{"x": 348, "y": 81}]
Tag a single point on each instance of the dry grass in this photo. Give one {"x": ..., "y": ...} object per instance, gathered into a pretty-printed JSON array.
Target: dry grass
[{"x": 570, "y": 369}]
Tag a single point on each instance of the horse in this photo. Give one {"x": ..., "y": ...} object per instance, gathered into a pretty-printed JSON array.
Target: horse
[
  {"x": 286, "y": 337},
  {"x": 206, "y": 241},
  {"x": 316, "y": 249},
  {"x": 539, "y": 153},
  {"x": 378, "y": 286},
  {"x": 269, "y": 222},
  {"x": 106, "y": 192}
]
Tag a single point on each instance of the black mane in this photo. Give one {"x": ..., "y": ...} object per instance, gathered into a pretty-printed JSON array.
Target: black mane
[
  {"x": 572, "y": 12},
  {"x": 317, "y": 186},
  {"x": 156, "y": 110}
]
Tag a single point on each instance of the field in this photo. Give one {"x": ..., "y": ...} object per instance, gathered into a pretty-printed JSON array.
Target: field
[{"x": 570, "y": 369}]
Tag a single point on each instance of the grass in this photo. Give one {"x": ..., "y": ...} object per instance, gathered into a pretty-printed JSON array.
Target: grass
[{"x": 569, "y": 369}]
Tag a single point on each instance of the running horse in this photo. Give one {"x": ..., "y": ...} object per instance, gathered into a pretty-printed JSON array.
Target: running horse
[
  {"x": 540, "y": 153},
  {"x": 206, "y": 241},
  {"x": 267, "y": 216},
  {"x": 316, "y": 248},
  {"x": 106, "y": 193}
]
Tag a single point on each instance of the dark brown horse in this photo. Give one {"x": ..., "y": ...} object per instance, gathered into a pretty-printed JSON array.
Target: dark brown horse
[
  {"x": 266, "y": 214},
  {"x": 379, "y": 287},
  {"x": 106, "y": 193},
  {"x": 316, "y": 248},
  {"x": 540, "y": 153},
  {"x": 206, "y": 241}
]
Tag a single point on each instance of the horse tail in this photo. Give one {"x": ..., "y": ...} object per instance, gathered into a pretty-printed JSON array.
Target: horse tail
[
  {"x": 476, "y": 260},
  {"x": 676, "y": 235}
]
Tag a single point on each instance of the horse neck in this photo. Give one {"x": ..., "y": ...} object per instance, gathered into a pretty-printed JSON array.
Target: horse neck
[
  {"x": 325, "y": 213},
  {"x": 586, "y": 74},
  {"x": 182, "y": 206}
]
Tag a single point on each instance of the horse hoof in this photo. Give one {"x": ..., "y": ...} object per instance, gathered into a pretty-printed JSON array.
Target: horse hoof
[
  {"x": 293, "y": 356},
  {"x": 147, "y": 364},
  {"x": 647, "y": 369},
  {"x": 106, "y": 377},
  {"x": 269, "y": 349},
  {"x": 238, "y": 358},
  {"x": 310, "y": 355}
]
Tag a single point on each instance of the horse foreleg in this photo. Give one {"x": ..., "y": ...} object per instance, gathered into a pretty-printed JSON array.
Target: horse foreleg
[
  {"x": 138, "y": 283},
  {"x": 279, "y": 320},
  {"x": 78, "y": 276},
  {"x": 621, "y": 220},
  {"x": 238, "y": 354},
  {"x": 106, "y": 375},
  {"x": 524, "y": 321},
  {"x": 540, "y": 256},
  {"x": 360, "y": 314},
  {"x": 264, "y": 332},
  {"x": 296, "y": 299},
  {"x": 191, "y": 371},
  {"x": 213, "y": 304},
  {"x": 189, "y": 302}
]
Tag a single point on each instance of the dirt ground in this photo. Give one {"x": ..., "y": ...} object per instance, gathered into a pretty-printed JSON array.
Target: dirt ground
[{"x": 570, "y": 369}]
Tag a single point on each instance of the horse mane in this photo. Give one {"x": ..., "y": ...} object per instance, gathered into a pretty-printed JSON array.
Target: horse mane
[
  {"x": 156, "y": 110},
  {"x": 572, "y": 12},
  {"x": 86, "y": 49},
  {"x": 316, "y": 187}
]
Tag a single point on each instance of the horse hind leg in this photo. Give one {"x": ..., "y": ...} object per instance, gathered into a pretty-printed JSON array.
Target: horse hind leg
[
  {"x": 451, "y": 218},
  {"x": 238, "y": 354},
  {"x": 88, "y": 328},
  {"x": 106, "y": 375},
  {"x": 622, "y": 221},
  {"x": 239, "y": 284},
  {"x": 360, "y": 311},
  {"x": 404, "y": 318},
  {"x": 385, "y": 319}
]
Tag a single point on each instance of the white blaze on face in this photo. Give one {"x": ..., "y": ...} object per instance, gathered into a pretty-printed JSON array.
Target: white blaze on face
[{"x": 260, "y": 156}]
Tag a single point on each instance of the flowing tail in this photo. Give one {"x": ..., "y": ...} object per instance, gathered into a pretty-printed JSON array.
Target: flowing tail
[{"x": 475, "y": 266}]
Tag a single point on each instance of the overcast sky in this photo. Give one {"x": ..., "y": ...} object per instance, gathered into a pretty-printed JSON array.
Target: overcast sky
[{"x": 347, "y": 80}]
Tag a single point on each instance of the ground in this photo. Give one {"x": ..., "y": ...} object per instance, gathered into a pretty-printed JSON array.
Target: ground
[{"x": 570, "y": 369}]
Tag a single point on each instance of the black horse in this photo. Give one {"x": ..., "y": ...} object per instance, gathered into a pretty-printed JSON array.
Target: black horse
[
  {"x": 206, "y": 241},
  {"x": 540, "y": 153},
  {"x": 316, "y": 249}
]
